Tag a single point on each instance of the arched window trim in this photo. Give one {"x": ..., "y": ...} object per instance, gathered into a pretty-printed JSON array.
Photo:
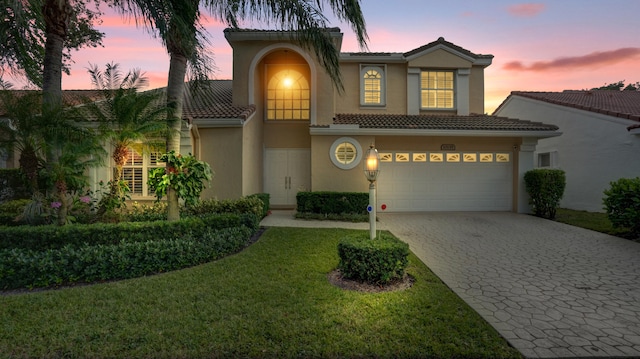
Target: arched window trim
[
  {"x": 287, "y": 104},
  {"x": 382, "y": 71}
]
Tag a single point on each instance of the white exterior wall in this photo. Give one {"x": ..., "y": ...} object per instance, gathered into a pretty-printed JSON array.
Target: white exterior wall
[{"x": 593, "y": 150}]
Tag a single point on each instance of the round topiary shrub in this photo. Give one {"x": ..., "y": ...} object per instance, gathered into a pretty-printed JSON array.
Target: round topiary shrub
[{"x": 377, "y": 261}]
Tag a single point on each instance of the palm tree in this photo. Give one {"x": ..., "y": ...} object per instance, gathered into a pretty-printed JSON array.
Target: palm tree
[
  {"x": 177, "y": 22},
  {"x": 21, "y": 132},
  {"x": 126, "y": 118}
]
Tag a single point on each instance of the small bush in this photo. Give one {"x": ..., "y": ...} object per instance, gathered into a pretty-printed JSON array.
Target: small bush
[
  {"x": 332, "y": 202},
  {"x": 266, "y": 202},
  {"x": 11, "y": 210},
  {"x": 377, "y": 261},
  {"x": 622, "y": 204},
  {"x": 545, "y": 188}
]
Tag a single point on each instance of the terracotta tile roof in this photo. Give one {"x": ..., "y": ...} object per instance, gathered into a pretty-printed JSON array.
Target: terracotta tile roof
[
  {"x": 442, "y": 41},
  {"x": 622, "y": 104},
  {"x": 213, "y": 100},
  {"x": 438, "y": 122},
  {"x": 69, "y": 97}
]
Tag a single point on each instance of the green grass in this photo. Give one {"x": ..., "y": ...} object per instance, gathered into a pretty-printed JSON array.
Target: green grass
[
  {"x": 590, "y": 220},
  {"x": 271, "y": 300}
]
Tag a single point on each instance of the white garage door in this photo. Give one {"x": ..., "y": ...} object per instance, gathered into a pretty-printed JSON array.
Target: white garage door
[{"x": 444, "y": 181}]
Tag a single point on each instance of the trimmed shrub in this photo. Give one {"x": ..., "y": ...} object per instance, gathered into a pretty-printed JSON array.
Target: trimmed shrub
[
  {"x": 545, "y": 188},
  {"x": 24, "y": 268},
  {"x": 622, "y": 203},
  {"x": 11, "y": 210},
  {"x": 250, "y": 204},
  {"x": 332, "y": 202},
  {"x": 55, "y": 237},
  {"x": 377, "y": 261},
  {"x": 266, "y": 202}
]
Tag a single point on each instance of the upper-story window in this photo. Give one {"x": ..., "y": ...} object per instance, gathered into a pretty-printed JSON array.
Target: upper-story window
[
  {"x": 437, "y": 90},
  {"x": 372, "y": 86},
  {"x": 288, "y": 96}
]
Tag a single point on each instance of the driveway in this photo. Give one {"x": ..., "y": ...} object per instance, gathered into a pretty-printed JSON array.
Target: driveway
[{"x": 552, "y": 290}]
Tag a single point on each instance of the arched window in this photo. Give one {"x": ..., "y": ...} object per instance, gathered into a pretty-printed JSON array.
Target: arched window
[
  {"x": 288, "y": 96},
  {"x": 372, "y": 86}
]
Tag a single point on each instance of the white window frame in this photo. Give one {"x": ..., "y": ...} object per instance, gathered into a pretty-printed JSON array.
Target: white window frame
[
  {"x": 453, "y": 90},
  {"x": 552, "y": 157},
  {"x": 337, "y": 162},
  {"x": 149, "y": 161},
  {"x": 382, "y": 70}
]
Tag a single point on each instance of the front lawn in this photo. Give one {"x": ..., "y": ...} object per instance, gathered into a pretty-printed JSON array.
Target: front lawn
[
  {"x": 590, "y": 220},
  {"x": 271, "y": 300}
]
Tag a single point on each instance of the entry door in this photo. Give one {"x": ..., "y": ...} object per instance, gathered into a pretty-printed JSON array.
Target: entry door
[{"x": 287, "y": 171}]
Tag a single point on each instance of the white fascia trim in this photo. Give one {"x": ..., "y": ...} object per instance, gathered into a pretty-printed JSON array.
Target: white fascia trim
[
  {"x": 218, "y": 122},
  {"x": 354, "y": 130}
]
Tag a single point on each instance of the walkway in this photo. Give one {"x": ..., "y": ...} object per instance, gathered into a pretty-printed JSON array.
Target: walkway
[{"x": 552, "y": 290}]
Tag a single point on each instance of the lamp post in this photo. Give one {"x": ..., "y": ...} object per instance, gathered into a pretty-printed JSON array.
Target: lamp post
[{"x": 371, "y": 171}]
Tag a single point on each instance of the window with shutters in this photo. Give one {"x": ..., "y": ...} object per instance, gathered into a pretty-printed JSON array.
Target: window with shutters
[{"x": 136, "y": 170}]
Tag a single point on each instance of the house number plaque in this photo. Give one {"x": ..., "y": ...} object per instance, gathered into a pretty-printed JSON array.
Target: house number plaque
[{"x": 447, "y": 147}]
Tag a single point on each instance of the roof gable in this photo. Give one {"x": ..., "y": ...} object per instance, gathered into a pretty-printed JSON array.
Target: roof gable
[
  {"x": 443, "y": 45},
  {"x": 621, "y": 104}
]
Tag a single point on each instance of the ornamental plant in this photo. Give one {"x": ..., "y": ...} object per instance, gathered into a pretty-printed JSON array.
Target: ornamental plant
[
  {"x": 545, "y": 188},
  {"x": 184, "y": 174},
  {"x": 622, "y": 203}
]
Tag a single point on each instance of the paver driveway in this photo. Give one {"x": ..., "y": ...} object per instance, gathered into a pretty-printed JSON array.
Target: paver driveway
[{"x": 550, "y": 289}]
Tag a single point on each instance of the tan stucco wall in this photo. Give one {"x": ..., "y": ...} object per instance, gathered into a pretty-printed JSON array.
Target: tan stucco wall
[
  {"x": 476, "y": 90},
  {"x": 440, "y": 59},
  {"x": 252, "y": 157},
  {"x": 396, "y": 90},
  {"x": 222, "y": 149},
  {"x": 325, "y": 176}
]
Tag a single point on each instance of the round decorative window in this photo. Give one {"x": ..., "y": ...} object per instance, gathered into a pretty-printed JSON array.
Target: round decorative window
[{"x": 345, "y": 153}]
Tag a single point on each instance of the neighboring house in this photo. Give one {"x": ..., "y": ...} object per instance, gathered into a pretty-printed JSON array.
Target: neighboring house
[
  {"x": 600, "y": 139},
  {"x": 280, "y": 126}
]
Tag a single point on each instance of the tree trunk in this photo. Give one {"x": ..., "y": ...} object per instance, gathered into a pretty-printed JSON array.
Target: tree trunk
[
  {"x": 175, "y": 93},
  {"x": 57, "y": 14}
]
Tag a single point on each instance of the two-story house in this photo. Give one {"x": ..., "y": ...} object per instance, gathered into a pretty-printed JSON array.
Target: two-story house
[{"x": 281, "y": 126}]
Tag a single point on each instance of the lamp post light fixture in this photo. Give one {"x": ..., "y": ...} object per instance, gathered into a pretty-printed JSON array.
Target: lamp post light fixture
[{"x": 371, "y": 171}]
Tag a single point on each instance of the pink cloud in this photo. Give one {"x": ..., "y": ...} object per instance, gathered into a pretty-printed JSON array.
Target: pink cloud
[
  {"x": 526, "y": 10},
  {"x": 590, "y": 60}
]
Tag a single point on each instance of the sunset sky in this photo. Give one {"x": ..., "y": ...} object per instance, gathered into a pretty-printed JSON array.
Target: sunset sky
[{"x": 538, "y": 46}]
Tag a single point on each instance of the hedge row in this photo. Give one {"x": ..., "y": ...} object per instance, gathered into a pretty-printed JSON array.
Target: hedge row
[
  {"x": 25, "y": 268},
  {"x": 39, "y": 238},
  {"x": 332, "y": 202}
]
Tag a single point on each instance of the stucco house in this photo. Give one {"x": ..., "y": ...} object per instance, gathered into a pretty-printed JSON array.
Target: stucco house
[
  {"x": 280, "y": 126},
  {"x": 600, "y": 141}
]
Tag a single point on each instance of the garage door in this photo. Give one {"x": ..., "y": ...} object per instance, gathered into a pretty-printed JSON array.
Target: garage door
[{"x": 445, "y": 181}]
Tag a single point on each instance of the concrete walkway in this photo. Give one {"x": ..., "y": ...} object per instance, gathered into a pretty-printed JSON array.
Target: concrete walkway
[{"x": 552, "y": 290}]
